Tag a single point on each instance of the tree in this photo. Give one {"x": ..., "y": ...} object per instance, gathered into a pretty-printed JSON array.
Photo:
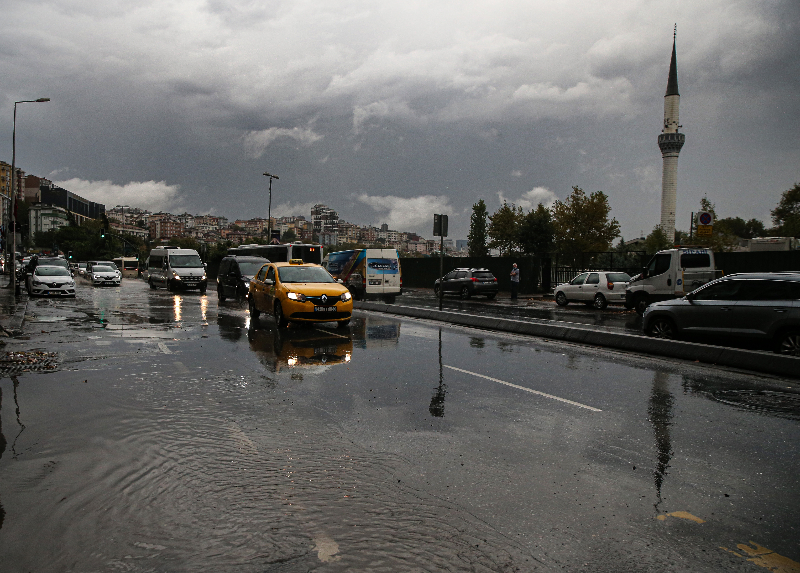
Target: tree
[
  {"x": 536, "y": 231},
  {"x": 657, "y": 240},
  {"x": 503, "y": 229},
  {"x": 581, "y": 223},
  {"x": 289, "y": 236},
  {"x": 786, "y": 215},
  {"x": 476, "y": 240},
  {"x": 738, "y": 227}
]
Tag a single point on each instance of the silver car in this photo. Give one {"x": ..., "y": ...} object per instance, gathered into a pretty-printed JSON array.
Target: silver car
[
  {"x": 101, "y": 275},
  {"x": 52, "y": 280},
  {"x": 595, "y": 288},
  {"x": 762, "y": 306}
]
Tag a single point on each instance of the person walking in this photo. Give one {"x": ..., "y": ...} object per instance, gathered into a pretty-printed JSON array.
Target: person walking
[{"x": 514, "y": 281}]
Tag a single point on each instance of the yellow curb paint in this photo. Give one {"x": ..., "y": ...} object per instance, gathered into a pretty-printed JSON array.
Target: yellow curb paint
[
  {"x": 682, "y": 515},
  {"x": 766, "y": 558}
]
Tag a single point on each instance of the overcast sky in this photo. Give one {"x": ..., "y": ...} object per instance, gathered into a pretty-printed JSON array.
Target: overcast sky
[{"x": 392, "y": 111}]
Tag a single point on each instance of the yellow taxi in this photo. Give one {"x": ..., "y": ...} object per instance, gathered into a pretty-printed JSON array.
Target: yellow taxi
[{"x": 298, "y": 291}]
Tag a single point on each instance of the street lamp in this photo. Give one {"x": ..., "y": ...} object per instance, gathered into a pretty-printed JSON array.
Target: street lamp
[
  {"x": 13, "y": 207},
  {"x": 269, "y": 209},
  {"x": 122, "y": 230}
]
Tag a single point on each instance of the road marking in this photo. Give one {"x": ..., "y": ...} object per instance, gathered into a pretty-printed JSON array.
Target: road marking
[
  {"x": 765, "y": 558},
  {"x": 164, "y": 348},
  {"x": 525, "y": 389},
  {"x": 682, "y": 515}
]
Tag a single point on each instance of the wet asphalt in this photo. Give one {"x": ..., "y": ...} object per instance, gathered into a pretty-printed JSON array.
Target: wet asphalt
[{"x": 149, "y": 431}]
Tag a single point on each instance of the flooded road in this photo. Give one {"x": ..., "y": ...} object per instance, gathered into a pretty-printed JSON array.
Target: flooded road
[{"x": 146, "y": 431}]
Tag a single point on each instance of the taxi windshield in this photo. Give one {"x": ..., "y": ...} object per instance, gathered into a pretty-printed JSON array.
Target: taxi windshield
[{"x": 304, "y": 275}]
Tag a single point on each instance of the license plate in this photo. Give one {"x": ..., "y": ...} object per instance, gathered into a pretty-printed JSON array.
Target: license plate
[{"x": 324, "y": 309}]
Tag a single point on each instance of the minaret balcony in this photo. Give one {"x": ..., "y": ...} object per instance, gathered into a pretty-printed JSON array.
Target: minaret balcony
[{"x": 671, "y": 142}]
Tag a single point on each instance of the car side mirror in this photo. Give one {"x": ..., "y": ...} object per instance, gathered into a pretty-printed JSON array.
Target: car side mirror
[
  {"x": 340, "y": 281},
  {"x": 644, "y": 272},
  {"x": 269, "y": 282}
]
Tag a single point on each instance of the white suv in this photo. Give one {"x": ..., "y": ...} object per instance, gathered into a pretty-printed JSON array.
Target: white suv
[{"x": 596, "y": 288}]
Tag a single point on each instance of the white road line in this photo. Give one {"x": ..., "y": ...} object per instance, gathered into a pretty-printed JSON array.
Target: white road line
[
  {"x": 578, "y": 404},
  {"x": 164, "y": 348}
]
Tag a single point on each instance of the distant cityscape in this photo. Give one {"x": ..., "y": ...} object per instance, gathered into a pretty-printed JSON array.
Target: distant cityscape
[{"x": 50, "y": 207}]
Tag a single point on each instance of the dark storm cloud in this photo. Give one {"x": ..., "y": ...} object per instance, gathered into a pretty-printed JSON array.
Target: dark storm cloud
[{"x": 390, "y": 111}]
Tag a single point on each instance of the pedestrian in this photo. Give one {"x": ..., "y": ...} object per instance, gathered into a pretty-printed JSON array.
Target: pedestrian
[{"x": 514, "y": 281}]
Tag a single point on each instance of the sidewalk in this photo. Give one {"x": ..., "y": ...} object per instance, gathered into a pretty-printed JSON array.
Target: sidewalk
[{"x": 12, "y": 309}]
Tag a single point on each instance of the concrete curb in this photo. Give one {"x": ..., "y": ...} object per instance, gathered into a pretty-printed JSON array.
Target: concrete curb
[{"x": 717, "y": 355}]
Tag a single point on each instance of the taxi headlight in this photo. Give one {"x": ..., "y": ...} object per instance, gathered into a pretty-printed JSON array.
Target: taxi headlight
[
  {"x": 299, "y": 297},
  {"x": 346, "y": 296}
]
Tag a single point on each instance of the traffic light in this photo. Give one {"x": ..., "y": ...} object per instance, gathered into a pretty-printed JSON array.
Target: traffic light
[
  {"x": 103, "y": 234},
  {"x": 70, "y": 254}
]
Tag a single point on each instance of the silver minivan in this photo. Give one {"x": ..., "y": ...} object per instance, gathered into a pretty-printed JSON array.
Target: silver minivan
[
  {"x": 176, "y": 269},
  {"x": 753, "y": 305}
]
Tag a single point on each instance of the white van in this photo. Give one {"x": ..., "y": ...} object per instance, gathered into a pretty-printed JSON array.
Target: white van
[
  {"x": 176, "y": 269},
  {"x": 367, "y": 273}
]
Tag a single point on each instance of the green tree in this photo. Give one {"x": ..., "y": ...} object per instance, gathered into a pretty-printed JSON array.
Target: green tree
[
  {"x": 657, "y": 240},
  {"x": 476, "y": 240},
  {"x": 786, "y": 215},
  {"x": 289, "y": 236},
  {"x": 581, "y": 224},
  {"x": 536, "y": 231},
  {"x": 738, "y": 227},
  {"x": 503, "y": 229}
]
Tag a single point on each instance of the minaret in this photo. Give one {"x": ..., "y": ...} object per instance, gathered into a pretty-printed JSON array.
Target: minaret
[{"x": 670, "y": 142}]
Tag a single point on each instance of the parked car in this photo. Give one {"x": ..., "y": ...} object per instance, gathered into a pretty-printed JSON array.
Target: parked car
[
  {"x": 467, "y": 282},
  {"x": 596, "y": 288},
  {"x": 102, "y": 275},
  {"x": 762, "y": 306},
  {"x": 52, "y": 280},
  {"x": 297, "y": 291},
  {"x": 234, "y": 276}
]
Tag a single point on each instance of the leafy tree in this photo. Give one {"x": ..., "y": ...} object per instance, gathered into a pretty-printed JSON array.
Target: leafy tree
[
  {"x": 738, "y": 227},
  {"x": 289, "y": 236},
  {"x": 657, "y": 240},
  {"x": 476, "y": 240},
  {"x": 581, "y": 223},
  {"x": 535, "y": 231},
  {"x": 786, "y": 215},
  {"x": 503, "y": 229},
  {"x": 706, "y": 205}
]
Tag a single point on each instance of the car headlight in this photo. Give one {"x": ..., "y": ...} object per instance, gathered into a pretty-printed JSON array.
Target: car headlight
[
  {"x": 176, "y": 276},
  {"x": 299, "y": 297},
  {"x": 204, "y": 277},
  {"x": 346, "y": 296}
]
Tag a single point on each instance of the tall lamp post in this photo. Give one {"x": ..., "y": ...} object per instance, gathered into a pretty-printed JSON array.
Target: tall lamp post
[
  {"x": 269, "y": 209},
  {"x": 13, "y": 204}
]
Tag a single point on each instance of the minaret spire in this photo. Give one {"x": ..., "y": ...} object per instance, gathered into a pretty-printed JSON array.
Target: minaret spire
[{"x": 670, "y": 142}]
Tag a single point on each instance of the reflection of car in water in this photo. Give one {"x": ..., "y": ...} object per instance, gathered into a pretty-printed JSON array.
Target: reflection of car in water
[
  {"x": 375, "y": 331},
  {"x": 278, "y": 348}
]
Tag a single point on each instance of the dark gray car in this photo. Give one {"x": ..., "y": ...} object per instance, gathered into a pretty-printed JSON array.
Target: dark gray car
[
  {"x": 468, "y": 282},
  {"x": 234, "y": 275},
  {"x": 755, "y": 305}
]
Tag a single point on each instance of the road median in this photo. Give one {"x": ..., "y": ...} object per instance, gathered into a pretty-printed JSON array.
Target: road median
[{"x": 751, "y": 360}]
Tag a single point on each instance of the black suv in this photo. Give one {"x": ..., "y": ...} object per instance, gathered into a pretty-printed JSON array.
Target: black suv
[
  {"x": 233, "y": 277},
  {"x": 468, "y": 282}
]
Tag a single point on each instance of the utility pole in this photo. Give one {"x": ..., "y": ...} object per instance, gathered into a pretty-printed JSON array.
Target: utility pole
[{"x": 269, "y": 209}]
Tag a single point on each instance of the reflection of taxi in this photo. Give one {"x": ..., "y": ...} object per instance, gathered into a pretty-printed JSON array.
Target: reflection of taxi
[
  {"x": 278, "y": 348},
  {"x": 298, "y": 291}
]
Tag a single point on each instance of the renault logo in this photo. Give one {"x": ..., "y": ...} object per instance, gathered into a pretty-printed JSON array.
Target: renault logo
[{"x": 324, "y": 298}]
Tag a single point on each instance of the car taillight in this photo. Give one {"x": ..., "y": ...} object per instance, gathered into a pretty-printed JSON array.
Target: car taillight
[
  {"x": 474, "y": 280},
  {"x": 364, "y": 281},
  {"x": 610, "y": 285}
]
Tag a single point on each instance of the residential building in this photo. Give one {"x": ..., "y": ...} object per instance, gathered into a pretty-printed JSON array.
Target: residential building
[
  {"x": 165, "y": 228},
  {"x": 324, "y": 219},
  {"x": 43, "y": 218}
]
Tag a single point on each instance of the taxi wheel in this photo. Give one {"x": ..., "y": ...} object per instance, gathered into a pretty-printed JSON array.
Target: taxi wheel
[
  {"x": 280, "y": 320},
  {"x": 254, "y": 312}
]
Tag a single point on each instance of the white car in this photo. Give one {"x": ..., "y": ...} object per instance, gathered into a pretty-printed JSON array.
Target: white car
[
  {"x": 596, "y": 288},
  {"x": 52, "y": 281},
  {"x": 102, "y": 275}
]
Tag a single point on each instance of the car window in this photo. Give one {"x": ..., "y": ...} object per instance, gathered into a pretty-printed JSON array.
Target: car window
[
  {"x": 249, "y": 268},
  {"x": 223, "y": 267},
  {"x": 262, "y": 273},
  {"x": 593, "y": 279},
  {"x": 461, "y": 274},
  {"x": 51, "y": 272},
  {"x": 723, "y": 290},
  {"x": 659, "y": 265},
  {"x": 769, "y": 290},
  {"x": 304, "y": 275},
  {"x": 618, "y": 277},
  {"x": 101, "y": 269},
  {"x": 483, "y": 275},
  {"x": 579, "y": 279},
  {"x": 449, "y": 276},
  {"x": 271, "y": 274},
  {"x": 695, "y": 260},
  {"x": 185, "y": 261}
]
